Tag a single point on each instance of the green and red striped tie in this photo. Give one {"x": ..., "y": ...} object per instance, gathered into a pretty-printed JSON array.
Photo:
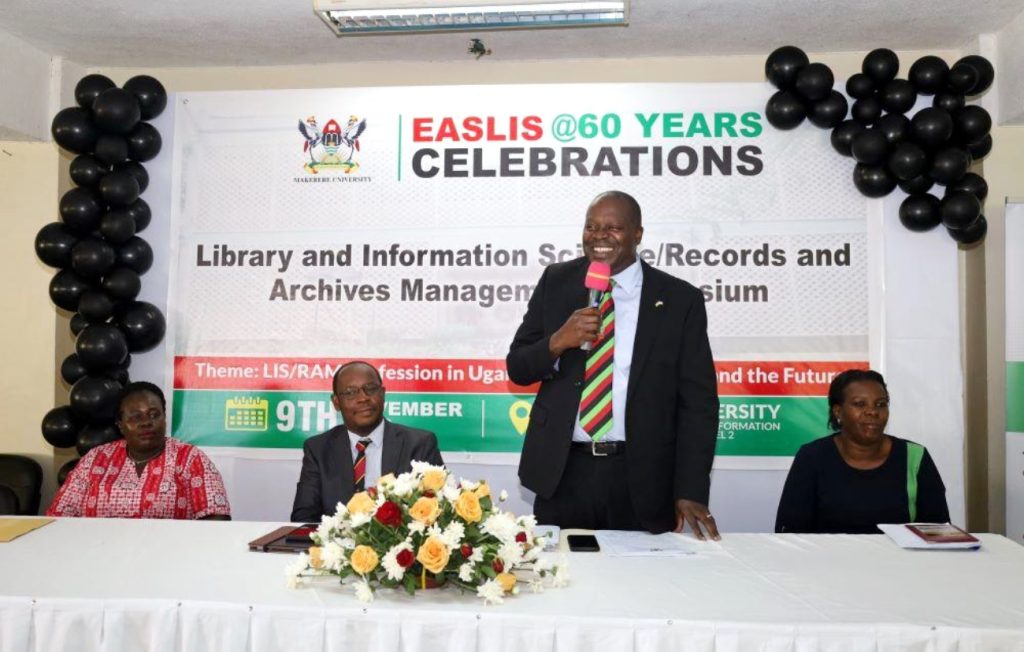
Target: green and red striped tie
[
  {"x": 596, "y": 401},
  {"x": 359, "y": 468}
]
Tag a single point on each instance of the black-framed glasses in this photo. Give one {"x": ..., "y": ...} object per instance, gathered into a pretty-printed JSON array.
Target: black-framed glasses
[{"x": 370, "y": 389}]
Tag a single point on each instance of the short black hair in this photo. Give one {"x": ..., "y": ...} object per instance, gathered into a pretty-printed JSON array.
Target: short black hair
[
  {"x": 352, "y": 363},
  {"x": 842, "y": 381},
  {"x": 140, "y": 387},
  {"x": 624, "y": 197}
]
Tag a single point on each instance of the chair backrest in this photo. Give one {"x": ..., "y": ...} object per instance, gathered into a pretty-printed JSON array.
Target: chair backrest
[
  {"x": 8, "y": 500},
  {"x": 24, "y": 476}
]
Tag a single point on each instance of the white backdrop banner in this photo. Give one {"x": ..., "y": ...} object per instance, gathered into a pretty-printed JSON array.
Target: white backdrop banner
[
  {"x": 408, "y": 226},
  {"x": 1015, "y": 372}
]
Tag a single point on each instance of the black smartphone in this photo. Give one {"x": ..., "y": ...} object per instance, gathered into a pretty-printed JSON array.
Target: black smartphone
[{"x": 583, "y": 543}]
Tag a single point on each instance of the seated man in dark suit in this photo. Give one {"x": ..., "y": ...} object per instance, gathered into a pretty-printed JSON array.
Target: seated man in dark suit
[{"x": 351, "y": 457}]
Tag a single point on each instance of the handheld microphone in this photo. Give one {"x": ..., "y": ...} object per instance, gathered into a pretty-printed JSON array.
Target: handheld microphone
[{"x": 597, "y": 282}]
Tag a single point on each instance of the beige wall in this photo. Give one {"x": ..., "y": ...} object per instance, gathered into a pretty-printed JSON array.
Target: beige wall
[{"x": 28, "y": 200}]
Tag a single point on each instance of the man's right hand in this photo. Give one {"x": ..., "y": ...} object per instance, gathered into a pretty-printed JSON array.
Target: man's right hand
[{"x": 580, "y": 327}]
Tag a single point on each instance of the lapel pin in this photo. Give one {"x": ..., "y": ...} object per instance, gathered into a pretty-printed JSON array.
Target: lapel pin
[{"x": 658, "y": 304}]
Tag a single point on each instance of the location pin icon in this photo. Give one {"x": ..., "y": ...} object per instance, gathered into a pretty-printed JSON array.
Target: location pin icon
[{"x": 519, "y": 414}]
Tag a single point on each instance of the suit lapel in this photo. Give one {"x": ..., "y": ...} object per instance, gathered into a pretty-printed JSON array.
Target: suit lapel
[
  {"x": 339, "y": 464},
  {"x": 391, "y": 451},
  {"x": 647, "y": 325},
  {"x": 574, "y": 360}
]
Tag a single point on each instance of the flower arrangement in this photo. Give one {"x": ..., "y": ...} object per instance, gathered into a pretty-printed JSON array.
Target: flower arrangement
[{"x": 423, "y": 529}]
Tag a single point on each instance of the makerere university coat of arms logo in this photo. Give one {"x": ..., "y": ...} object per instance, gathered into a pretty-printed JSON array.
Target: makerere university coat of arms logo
[{"x": 331, "y": 148}]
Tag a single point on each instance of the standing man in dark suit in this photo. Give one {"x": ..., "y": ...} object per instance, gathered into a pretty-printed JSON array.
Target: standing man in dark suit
[
  {"x": 638, "y": 455},
  {"x": 349, "y": 458}
]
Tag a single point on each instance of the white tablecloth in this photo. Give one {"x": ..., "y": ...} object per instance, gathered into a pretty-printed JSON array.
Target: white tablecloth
[{"x": 80, "y": 584}]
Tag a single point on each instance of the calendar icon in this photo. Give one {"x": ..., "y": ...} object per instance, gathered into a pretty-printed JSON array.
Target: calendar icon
[{"x": 249, "y": 414}]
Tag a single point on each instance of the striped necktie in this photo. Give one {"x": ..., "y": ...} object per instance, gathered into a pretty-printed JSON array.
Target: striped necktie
[
  {"x": 359, "y": 468},
  {"x": 596, "y": 400}
]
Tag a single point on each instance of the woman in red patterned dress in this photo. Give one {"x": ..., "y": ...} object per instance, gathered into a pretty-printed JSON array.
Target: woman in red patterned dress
[{"x": 145, "y": 475}]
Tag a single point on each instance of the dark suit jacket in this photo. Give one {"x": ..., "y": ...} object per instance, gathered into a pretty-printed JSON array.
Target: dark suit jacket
[
  {"x": 672, "y": 400},
  {"x": 326, "y": 476}
]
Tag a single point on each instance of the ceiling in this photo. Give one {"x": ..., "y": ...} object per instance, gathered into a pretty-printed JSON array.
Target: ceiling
[{"x": 187, "y": 33}]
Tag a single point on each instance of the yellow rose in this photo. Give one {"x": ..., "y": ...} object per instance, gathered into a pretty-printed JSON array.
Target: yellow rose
[
  {"x": 386, "y": 480},
  {"x": 434, "y": 479},
  {"x": 482, "y": 491},
  {"x": 363, "y": 560},
  {"x": 425, "y": 510},
  {"x": 468, "y": 507},
  {"x": 314, "y": 557},
  {"x": 507, "y": 581},
  {"x": 361, "y": 503},
  {"x": 433, "y": 555}
]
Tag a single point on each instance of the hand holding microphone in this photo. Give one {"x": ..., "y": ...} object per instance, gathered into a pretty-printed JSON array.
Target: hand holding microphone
[
  {"x": 597, "y": 282},
  {"x": 581, "y": 329}
]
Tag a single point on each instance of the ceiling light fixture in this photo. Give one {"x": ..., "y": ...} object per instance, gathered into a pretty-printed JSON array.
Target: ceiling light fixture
[{"x": 353, "y": 17}]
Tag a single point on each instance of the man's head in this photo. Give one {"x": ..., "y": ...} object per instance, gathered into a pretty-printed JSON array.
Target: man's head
[
  {"x": 358, "y": 394},
  {"x": 612, "y": 230}
]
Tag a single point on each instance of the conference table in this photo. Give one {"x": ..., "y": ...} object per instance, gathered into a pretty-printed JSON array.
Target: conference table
[{"x": 94, "y": 584}]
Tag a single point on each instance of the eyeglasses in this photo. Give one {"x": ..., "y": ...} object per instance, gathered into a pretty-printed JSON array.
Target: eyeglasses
[
  {"x": 370, "y": 389},
  {"x": 135, "y": 418}
]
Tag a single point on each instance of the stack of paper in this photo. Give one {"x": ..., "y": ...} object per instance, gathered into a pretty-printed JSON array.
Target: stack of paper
[
  {"x": 930, "y": 536},
  {"x": 620, "y": 543}
]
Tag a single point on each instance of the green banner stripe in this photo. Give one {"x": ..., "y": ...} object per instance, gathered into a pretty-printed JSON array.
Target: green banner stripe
[{"x": 1015, "y": 396}]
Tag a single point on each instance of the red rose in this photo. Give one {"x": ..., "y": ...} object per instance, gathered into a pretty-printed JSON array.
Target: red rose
[
  {"x": 521, "y": 537},
  {"x": 405, "y": 558},
  {"x": 372, "y": 492},
  {"x": 429, "y": 494},
  {"x": 389, "y": 514},
  {"x": 466, "y": 550},
  {"x": 498, "y": 566}
]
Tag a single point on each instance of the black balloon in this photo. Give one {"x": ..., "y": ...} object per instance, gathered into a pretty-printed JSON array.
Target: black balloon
[
  {"x": 917, "y": 185},
  {"x": 829, "y": 112},
  {"x": 866, "y": 110},
  {"x": 66, "y": 469},
  {"x": 144, "y": 142},
  {"x": 859, "y": 86},
  {"x": 870, "y": 147},
  {"x": 96, "y": 306},
  {"x": 986, "y": 73},
  {"x": 119, "y": 188},
  {"x": 908, "y": 160},
  {"x": 814, "y": 82},
  {"x": 66, "y": 288},
  {"x": 931, "y": 127},
  {"x": 86, "y": 170},
  {"x": 71, "y": 369},
  {"x": 895, "y": 127},
  {"x": 140, "y": 212},
  {"x": 116, "y": 111},
  {"x": 948, "y": 101},
  {"x": 843, "y": 135},
  {"x": 928, "y": 75},
  {"x": 873, "y": 180},
  {"x": 73, "y": 129},
  {"x": 962, "y": 78},
  {"x": 785, "y": 110},
  {"x": 89, "y": 87},
  {"x": 60, "y": 428},
  {"x": 101, "y": 346},
  {"x": 78, "y": 324},
  {"x": 92, "y": 256},
  {"x": 117, "y": 226},
  {"x": 111, "y": 149},
  {"x": 960, "y": 209},
  {"x": 94, "y": 399},
  {"x": 143, "y": 324},
  {"x": 971, "y": 123},
  {"x": 782, "y": 66},
  {"x": 54, "y": 243},
  {"x": 121, "y": 283},
  {"x": 135, "y": 254},
  {"x": 881, "y": 65},
  {"x": 81, "y": 209},
  {"x": 96, "y": 434},
  {"x": 972, "y": 183},
  {"x": 981, "y": 148},
  {"x": 949, "y": 164},
  {"x": 137, "y": 170},
  {"x": 898, "y": 96},
  {"x": 973, "y": 232},
  {"x": 150, "y": 93},
  {"x": 920, "y": 212}
]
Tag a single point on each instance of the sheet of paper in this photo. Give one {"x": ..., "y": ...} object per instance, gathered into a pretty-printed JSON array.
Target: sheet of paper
[
  {"x": 904, "y": 538},
  {"x": 12, "y": 528},
  {"x": 622, "y": 543}
]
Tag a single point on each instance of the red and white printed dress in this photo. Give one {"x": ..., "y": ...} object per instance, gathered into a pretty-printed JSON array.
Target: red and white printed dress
[{"x": 179, "y": 483}]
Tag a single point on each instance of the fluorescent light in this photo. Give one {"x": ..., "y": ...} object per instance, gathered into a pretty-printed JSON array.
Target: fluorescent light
[{"x": 346, "y": 17}]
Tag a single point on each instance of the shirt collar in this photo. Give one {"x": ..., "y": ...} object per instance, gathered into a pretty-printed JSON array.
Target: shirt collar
[
  {"x": 377, "y": 434},
  {"x": 629, "y": 279}
]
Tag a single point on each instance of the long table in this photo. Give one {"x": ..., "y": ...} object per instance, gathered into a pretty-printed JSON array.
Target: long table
[{"x": 91, "y": 584}]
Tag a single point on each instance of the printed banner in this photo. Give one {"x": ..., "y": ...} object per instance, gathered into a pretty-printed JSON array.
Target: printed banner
[
  {"x": 409, "y": 226},
  {"x": 1015, "y": 372}
]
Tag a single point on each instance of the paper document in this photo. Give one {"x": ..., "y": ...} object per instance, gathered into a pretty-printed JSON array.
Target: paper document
[
  {"x": 905, "y": 537},
  {"x": 12, "y": 528},
  {"x": 622, "y": 543}
]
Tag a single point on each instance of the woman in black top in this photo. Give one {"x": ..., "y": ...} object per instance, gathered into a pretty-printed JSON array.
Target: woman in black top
[{"x": 855, "y": 478}]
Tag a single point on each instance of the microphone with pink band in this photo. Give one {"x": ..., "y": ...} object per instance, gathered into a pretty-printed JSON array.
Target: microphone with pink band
[{"x": 599, "y": 277}]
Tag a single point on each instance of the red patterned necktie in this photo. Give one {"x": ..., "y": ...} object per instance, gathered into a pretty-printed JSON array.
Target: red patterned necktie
[
  {"x": 596, "y": 400},
  {"x": 359, "y": 468}
]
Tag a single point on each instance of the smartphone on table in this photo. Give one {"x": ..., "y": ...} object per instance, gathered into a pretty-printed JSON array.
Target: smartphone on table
[{"x": 582, "y": 543}]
